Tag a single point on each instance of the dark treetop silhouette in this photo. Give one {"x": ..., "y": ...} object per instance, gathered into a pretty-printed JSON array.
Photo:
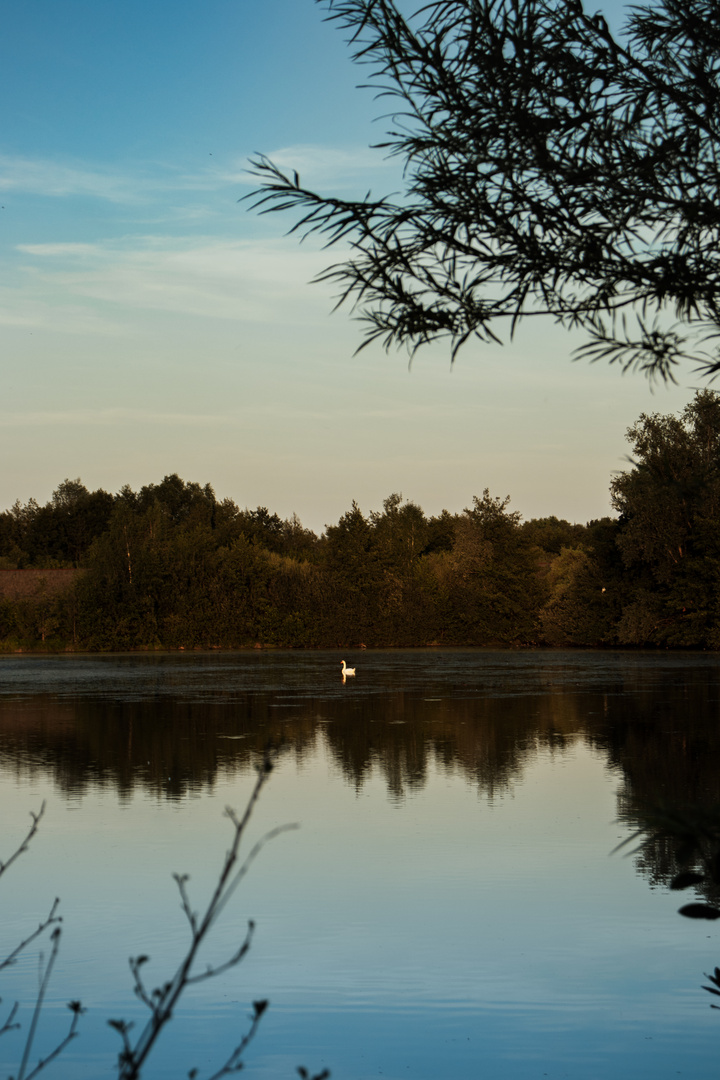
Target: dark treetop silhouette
[{"x": 551, "y": 168}]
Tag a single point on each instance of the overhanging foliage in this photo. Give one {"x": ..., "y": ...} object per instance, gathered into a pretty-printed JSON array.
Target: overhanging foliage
[{"x": 551, "y": 168}]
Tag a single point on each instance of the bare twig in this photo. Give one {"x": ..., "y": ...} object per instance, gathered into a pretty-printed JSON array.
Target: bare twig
[
  {"x": 237, "y": 956},
  {"x": 74, "y": 1006},
  {"x": 77, "y": 1010},
  {"x": 9, "y": 1024},
  {"x": 52, "y": 918},
  {"x": 24, "y": 845},
  {"x": 162, "y": 1000},
  {"x": 234, "y": 1062},
  {"x": 44, "y": 980}
]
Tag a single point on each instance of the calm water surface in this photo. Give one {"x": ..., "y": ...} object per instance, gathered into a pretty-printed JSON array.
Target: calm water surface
[{"x": 449, "y": 906}]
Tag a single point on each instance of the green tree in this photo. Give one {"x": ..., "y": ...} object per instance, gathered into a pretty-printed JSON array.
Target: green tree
[
  {"x": 351, "y": 559},
  {"x": 15, "y": 527},
  {"x": 375, "y": 564},
  {"x": 118, "y": 597},
  {"x": 262, "y": 528},
  {"x": 550, "y": 168},
  {"x": 63, "y": 530},
  {"x": 489, "y": 588},
  {"x": 669, "y": 529},
  {"x": 59, "y": 533},
  {"x": 179, "y": 499},
  {"x": 583, "y": 604},
  {"x": 401, "y": 534},
  {"x": 551, "y": 534}
]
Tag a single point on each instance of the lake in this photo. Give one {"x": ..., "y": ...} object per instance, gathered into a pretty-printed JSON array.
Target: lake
[{"x": 450, "y": 905}]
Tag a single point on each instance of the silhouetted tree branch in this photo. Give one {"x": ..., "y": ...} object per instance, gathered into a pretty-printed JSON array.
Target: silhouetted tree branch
[
  {"x": 76, "y": 1009},
  {"x": 551, "y": 168},
  {"x": 36, "y": 818},
  {"x": 162, "y": 1000}
]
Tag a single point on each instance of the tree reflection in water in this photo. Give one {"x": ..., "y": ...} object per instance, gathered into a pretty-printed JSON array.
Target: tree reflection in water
[
  {"x": 172, "y": 726},
  {"x": 655, "y": 719}
]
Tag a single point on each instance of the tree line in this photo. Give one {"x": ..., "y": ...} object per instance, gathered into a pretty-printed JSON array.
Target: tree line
[{"x": 172, "y": 566}]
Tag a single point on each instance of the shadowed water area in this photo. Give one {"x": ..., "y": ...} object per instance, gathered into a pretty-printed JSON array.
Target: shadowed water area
[{"x": 449, "y": 906}]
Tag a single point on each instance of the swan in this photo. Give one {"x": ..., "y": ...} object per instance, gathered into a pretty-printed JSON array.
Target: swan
[{"x": 347, "y": 670}]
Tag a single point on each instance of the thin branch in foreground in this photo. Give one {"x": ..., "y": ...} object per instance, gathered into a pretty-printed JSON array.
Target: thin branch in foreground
[
  {"x": 10, "y": 1024},
  {"x": 74, "y": 1006},
  {"x": 234, "y": 1062},
  {"x": 162, "y": 1000},
  {"x": 77, "y": 1010},
  {"x": 52, "y": 919},
  {"x": 49, "y": 921},
  {"x": 26, "y": 842}
]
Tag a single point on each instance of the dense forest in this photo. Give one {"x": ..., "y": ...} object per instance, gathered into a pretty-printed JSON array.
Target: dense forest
[{"x": 171, "y": 566}]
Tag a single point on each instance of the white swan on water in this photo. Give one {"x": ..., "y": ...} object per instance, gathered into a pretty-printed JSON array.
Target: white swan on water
[{"x": 347, "y": 670}]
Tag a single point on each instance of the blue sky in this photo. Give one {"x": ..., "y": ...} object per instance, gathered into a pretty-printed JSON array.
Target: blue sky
[{"x": 149, "y": 323}]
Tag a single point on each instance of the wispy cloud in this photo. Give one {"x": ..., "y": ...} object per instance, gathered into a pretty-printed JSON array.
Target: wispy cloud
[
  {"x": 59, "y": 180},
  {"x": 126, "y": 186},
  {"x": 104, "y": 287},
  {"x": 110, "y": 418},
  {"x": 147, "y": 181},
  {"x": 33, "y": 308},
  {"x": 123, "y": 417},
  {"x": 69, "y": 250},
  {"x": 326, "y": 166},
  {"x": 165, "y": 247}
]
